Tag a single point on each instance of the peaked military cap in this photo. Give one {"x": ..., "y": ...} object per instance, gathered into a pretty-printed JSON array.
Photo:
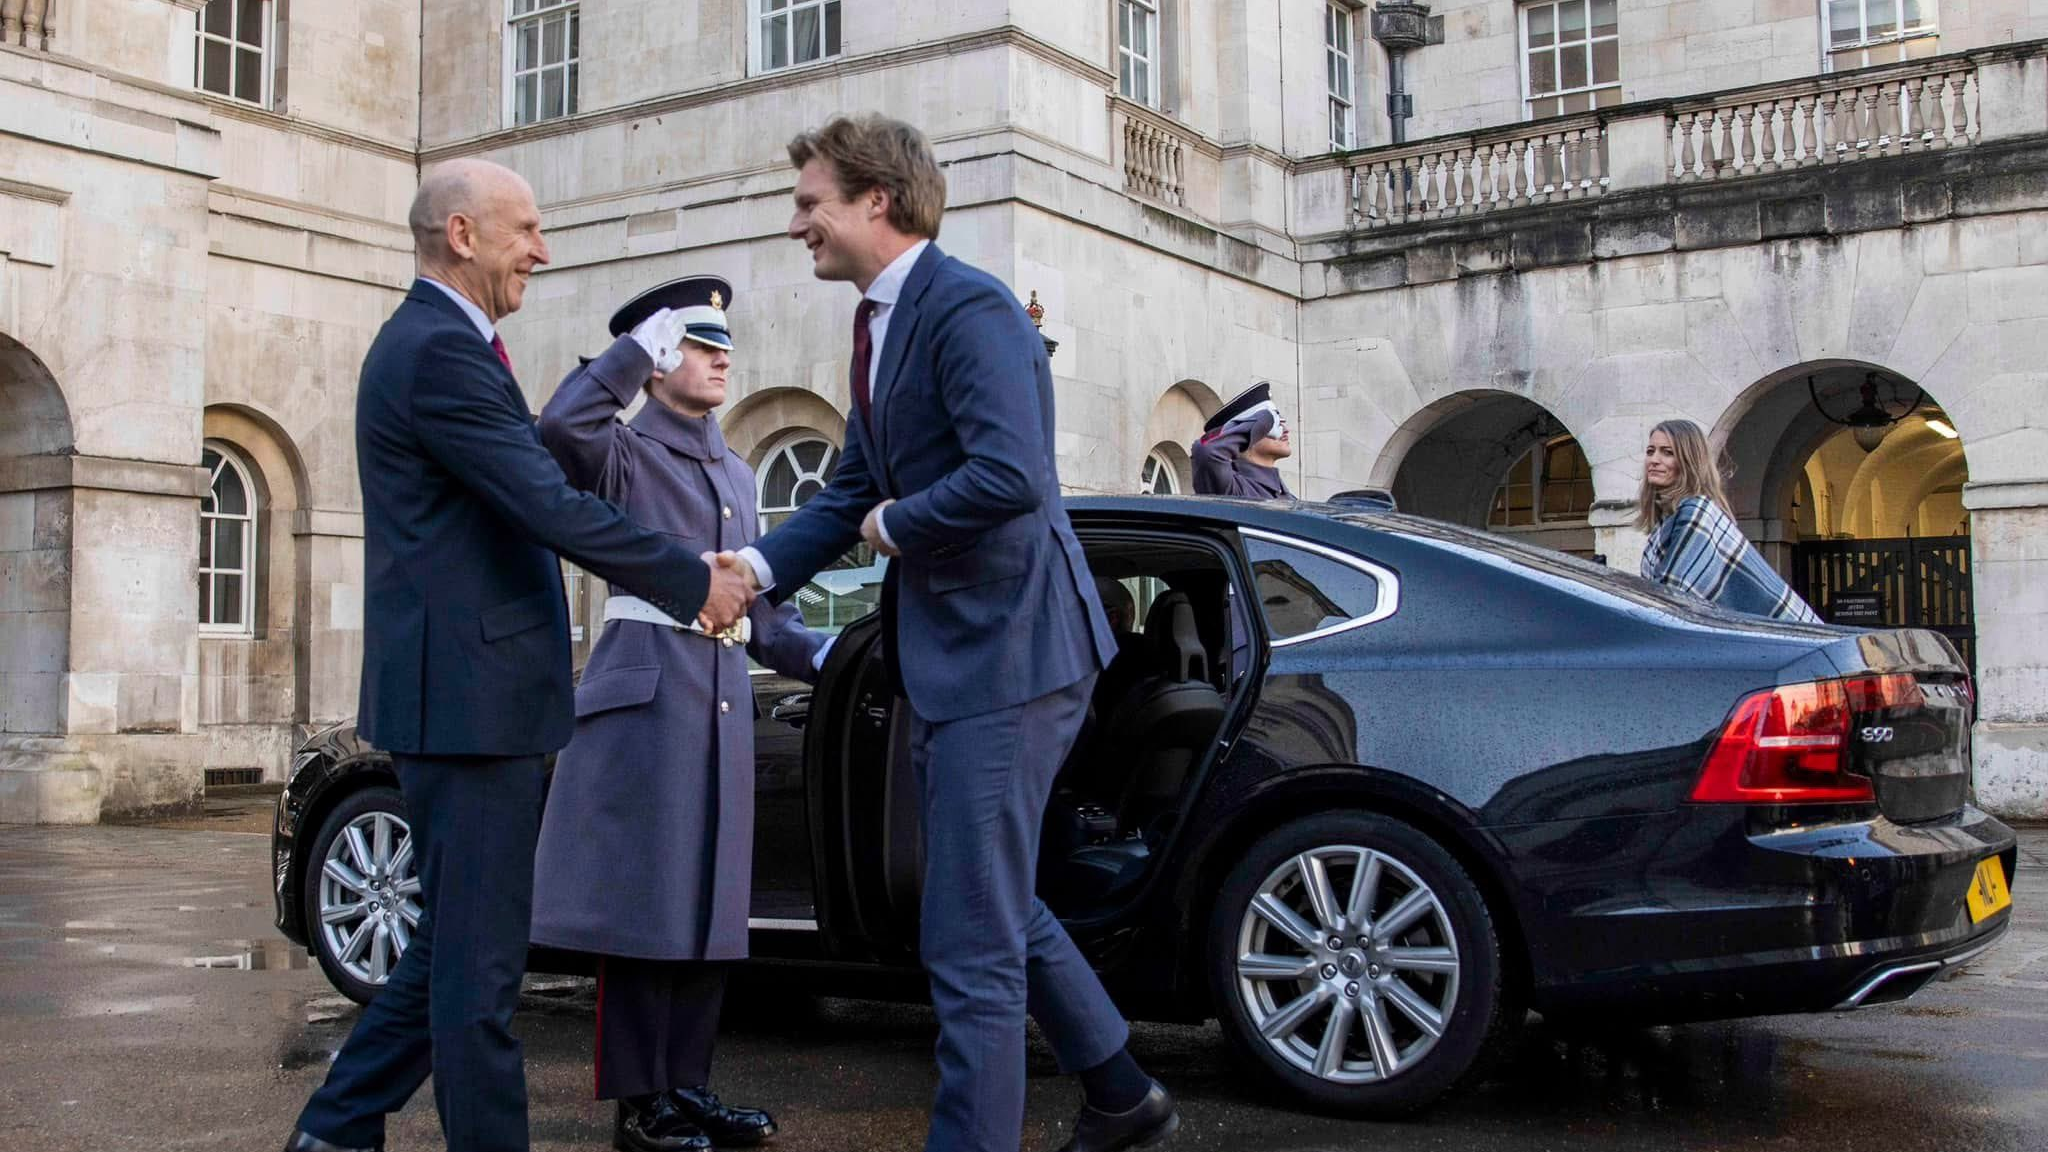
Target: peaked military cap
[
  {"x": 702, "y": 300},
  {"x": 1243, "y": 402}
]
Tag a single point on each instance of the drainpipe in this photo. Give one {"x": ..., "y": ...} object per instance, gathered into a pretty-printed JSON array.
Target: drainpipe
[{"x": 1400, "y": 27}]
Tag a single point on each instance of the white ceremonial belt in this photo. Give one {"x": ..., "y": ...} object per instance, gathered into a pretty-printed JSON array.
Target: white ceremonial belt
[{"x": 638, "y": 610}]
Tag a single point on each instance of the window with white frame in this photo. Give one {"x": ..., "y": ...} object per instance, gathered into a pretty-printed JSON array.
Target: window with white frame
[
  {"x": 543, "y": 51},
  {"x": 1137, "y": 51},
  {"x": 1571, "y": 56},
  {"x": 1865, "y": 32},
  {"x": 849, "y": 588},
  {"x": 227, "y": 546},
  {"x": 1337, "y": 41},
  {"x": 1157, "y": 477},
  {"x": 232, "y": 56},
  {"x": 796, "y": 471},
  {"x": 788, "y": 33}
]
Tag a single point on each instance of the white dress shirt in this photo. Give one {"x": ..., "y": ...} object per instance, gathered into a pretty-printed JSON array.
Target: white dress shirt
[{"x": 884, "y": 290}]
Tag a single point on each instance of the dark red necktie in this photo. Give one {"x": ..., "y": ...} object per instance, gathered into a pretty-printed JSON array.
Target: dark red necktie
[
  {"x": 863, "y": 353},
  {"x": 498, "y": 346}
]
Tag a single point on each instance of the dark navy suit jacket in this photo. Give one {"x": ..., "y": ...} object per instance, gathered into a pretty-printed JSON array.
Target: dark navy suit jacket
[
  {"x": 992, "y": 602},
  {"x": 465, "y": 629}
]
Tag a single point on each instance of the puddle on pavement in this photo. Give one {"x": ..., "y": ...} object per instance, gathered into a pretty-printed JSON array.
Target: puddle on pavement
[{"x": 259, "y": 956}]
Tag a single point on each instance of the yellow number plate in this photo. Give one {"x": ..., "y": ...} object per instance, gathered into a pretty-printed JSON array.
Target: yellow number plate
[{"x": 1988, "y": 893}]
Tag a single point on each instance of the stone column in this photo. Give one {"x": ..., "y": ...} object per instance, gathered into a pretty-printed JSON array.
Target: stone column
[
  {"x": 2009, "y": 574},
  {"x": 104, "y": 708},
  {"x": 330, "y": 593}
]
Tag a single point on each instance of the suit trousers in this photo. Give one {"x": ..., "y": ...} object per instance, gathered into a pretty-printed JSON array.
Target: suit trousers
[
  {"x": 656, "y": 1022},
  {"x": 993, "y": 950},
  {"x": 447, "y": 1009}
]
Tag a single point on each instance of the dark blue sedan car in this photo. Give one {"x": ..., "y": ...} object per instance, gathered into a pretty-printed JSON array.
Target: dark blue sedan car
[{"x": 1366, "y": 788}]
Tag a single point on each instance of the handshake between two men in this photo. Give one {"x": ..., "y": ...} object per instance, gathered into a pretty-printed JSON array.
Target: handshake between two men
[{"x": 735, "y": 584}]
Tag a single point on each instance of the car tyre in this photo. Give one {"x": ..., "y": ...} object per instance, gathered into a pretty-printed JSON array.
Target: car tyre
[
  {"x": 1319, "y": 1021},
  {"x": 374, "y": 891}
]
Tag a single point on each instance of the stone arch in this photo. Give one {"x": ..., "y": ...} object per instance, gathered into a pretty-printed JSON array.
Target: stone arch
[
  {"x": 1770, "y": 436},
  {"x": 1450, "y": 456},
  {"x": 268, "y": 447},
  {"x": 1174, "y": 423},
  {"x": 34, "y": 418},
  {"x": 761, "y": 420}
]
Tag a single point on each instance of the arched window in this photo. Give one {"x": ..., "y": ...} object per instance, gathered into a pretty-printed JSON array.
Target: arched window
[
  {"x": 795, "y": 471},
  {"x": 227, "y": 546},
  {"x": 1157, "y": 477},
  {"x": 849, "y": 588},
  {"x": 1552, "y": 481}
]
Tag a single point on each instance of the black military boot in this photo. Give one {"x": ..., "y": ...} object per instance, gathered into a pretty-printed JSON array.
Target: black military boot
[
  {"x": 653, "y": 1124},
  {"x": 728, "y": 1126}
]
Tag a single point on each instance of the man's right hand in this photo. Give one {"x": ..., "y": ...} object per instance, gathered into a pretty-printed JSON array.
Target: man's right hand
[
  {"x": 659, "y": 336},
  {"x": 730, "y": 595},
  {"x": 739, "y": 563}
]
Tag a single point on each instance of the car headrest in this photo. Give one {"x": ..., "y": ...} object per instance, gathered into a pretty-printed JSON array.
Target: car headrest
[{"x": 1176, "y": 642}]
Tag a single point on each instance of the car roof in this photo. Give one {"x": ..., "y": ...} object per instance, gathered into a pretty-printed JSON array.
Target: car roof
[{"x": 1353, "y": 527}]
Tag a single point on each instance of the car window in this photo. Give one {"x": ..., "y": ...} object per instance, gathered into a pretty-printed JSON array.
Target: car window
[
  {"x": 850, "y": 589},
  {"x": 1303, "y": 592}
]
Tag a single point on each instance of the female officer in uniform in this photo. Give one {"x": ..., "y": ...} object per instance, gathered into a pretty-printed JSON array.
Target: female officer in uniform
[{"x": 646, "y": 847}]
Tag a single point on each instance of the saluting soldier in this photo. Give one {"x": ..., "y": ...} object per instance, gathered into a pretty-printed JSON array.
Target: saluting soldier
[
  {"x": 646, "y": 847},
  {"x": 1242, "y": 446}
]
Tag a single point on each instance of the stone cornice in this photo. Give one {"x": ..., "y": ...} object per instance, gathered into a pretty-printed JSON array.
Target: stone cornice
[
  {"x": 224, "y": 194},
  {"x": 47, "y": 195},
  {"x": 147, "y": 477},
  {"x": 1981, "y": 495},
  {"x": 773, "y": 82},
  {"x": 228, "y": 109},
  {"x": 322, "y": 522}
]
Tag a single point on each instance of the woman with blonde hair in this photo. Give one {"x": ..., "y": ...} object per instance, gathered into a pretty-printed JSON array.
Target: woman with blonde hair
[{"x": 1695, "y": 545}]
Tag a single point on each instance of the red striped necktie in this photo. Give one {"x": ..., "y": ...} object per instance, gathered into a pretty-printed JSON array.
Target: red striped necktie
[{"x": 498, "y": 346}]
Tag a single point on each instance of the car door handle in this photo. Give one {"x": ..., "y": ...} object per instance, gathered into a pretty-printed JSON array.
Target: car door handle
[{"x": 792, "y": 710}]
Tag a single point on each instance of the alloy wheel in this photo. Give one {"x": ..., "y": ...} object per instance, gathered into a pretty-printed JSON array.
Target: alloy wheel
[
  {"x": 369, "y": 896},
  {"x": 1347, "y": 965}
]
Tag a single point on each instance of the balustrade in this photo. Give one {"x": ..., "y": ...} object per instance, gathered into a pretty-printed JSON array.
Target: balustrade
[
  {"x": 1155, "y": 161},
  {"x": 1461, "y": 176},
  {"x": 28, "y": 23},
  {"x": 1834, "y": 121}
]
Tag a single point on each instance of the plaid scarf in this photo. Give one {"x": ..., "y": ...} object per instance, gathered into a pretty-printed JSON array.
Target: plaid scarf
[{"x": 1699, "y": 549}]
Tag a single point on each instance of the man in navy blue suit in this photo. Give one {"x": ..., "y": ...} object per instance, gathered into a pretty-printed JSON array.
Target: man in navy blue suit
[
  {"x": 466, "y": 678},
  {"x": 993, "y": 627}
]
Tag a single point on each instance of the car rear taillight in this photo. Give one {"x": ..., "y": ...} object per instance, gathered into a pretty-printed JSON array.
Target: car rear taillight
[{"x": 1790, "y": 745}]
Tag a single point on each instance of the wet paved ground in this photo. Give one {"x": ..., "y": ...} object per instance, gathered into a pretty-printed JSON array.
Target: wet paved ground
[{"x": 145, "y": 1002}]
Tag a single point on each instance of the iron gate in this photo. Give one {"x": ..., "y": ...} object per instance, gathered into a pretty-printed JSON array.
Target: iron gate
[{"x": 1915, "y": 583}]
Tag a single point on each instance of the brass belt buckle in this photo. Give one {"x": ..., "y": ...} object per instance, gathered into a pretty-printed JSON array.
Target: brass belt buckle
[{"x": 738, "y": 632}]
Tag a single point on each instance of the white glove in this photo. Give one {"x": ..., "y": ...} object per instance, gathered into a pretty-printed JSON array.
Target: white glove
[{"x": 658, "y": 336}]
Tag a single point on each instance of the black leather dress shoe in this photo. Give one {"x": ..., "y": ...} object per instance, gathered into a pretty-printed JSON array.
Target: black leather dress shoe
[
  {"x": 303, "y": 1142},
  {"x": 1154, "y": 1119},
  {"x": 652, "y": 1124},
  {"x": 728, "y": 1126}
]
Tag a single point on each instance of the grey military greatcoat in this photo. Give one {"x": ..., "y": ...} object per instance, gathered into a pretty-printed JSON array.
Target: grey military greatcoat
[{"x": 646, "y": 848}]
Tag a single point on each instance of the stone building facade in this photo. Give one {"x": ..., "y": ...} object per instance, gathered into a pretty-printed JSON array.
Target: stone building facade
[{"x": 1592, "y": 215}]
